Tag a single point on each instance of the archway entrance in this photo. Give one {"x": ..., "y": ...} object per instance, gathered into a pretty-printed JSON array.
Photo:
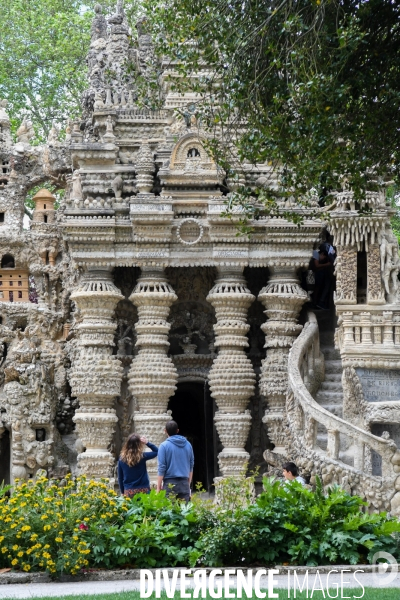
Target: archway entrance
[{"x": 193, "y": 409}]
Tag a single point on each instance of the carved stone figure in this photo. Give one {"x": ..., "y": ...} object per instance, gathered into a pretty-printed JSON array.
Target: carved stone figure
[
  {"x": 76, "y": 186},
  {"x": 25, "y": 132},
  {"x": 117, "y": 186}
]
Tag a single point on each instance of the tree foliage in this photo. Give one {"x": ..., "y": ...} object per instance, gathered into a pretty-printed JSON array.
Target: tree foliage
[
  {"x": 43, "y": 46},
  {"x": 317, "y": 83}
]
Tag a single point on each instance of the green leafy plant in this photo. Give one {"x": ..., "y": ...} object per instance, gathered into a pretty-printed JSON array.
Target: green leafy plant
[{"x": 289, "y": 523}]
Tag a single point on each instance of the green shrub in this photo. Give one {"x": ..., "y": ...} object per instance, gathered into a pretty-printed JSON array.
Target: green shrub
[
  {"x": 291, "y": 524},
  {"x": 157, "y": 532},
  {"x": 44, "y": 526},
  {"x": 82, "y": 524}
]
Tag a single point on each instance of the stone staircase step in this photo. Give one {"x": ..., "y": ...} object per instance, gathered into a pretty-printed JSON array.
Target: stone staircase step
[
  {"x": 333, "y": 367},
  {"x": 331, "y": 386},
  {"x": 333, "y": 377},
  {"x": 329, "y": 396}
]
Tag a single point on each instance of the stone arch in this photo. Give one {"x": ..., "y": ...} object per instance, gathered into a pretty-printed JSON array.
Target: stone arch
[
  {"x": 194, "y": 145},
  {"x": 7, "y": 261}
]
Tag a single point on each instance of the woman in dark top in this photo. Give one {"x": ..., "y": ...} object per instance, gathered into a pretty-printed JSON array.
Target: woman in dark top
[{"x": 132, "y": 472}]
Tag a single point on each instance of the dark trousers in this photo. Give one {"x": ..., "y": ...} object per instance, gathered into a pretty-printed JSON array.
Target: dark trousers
[{"x": 178, "y": 486}]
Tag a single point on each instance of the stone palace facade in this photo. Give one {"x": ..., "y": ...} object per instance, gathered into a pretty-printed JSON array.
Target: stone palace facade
[{"x": 135, "y": 300}]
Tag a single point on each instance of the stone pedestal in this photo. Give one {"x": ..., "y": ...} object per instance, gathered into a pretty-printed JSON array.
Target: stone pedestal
[
  {"x": 96, "y": 374},
  {"x": 153, "y": 376},
  {"x": 283, "y": 298},
  {"x": 231, "y": 378}
]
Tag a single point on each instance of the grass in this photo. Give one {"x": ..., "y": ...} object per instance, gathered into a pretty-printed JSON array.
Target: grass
[{"x": 370, "y": 594}]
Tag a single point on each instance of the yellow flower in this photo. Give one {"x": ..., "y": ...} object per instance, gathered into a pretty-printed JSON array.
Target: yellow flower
[
  {"x": 14, "y": 562},
  {"x": 13, "y": 525},
  {"x": 34, "y": 536},
  {"x": 26, "y": 528},
  {"x": 43, "y": 517},
  {"x": 59, "y": 539},
  {"x": 26, "y": 567},
  {"x": 20, "y": 554},
  {"x": 15, "y": 547},
  {"x": 46, "y": 527},
  {"x": 46, "y": 546},
  {"x": 4, "y": 549},
  {"x": 1, "y": 538}
]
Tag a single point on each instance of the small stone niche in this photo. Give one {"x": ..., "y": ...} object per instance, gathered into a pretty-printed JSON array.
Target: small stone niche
[{"x": 40, "y": 434}]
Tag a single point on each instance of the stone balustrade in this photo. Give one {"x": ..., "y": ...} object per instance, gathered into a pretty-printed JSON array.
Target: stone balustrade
[
  {"x": 369, "y": 338},
  {"x": 305, "y": 415}
]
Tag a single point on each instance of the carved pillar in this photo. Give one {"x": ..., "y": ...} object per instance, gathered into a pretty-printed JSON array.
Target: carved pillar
[
  {"x": 153, "y": 376},
  {"x": 375, "y": 293},
  {"x": 96, "y": 374},
  {"x": 231, "y": 378},
  {"x": 283, "y": 298}
]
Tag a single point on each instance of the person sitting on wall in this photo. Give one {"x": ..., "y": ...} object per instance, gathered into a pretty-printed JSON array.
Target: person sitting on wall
[
  {"x": 175, "y": 463},
  {"x": 132, "y": 471},
  {"x": 291, "y": 473}
]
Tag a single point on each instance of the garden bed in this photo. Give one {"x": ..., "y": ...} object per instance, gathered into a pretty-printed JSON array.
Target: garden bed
[{"x": 68, "y": 528}]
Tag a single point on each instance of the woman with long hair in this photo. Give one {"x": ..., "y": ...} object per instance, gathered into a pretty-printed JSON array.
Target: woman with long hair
[{"x": 132, "y": 471}]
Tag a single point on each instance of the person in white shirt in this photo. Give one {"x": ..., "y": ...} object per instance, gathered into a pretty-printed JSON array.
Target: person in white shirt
[{"x": 291, "y": 472}]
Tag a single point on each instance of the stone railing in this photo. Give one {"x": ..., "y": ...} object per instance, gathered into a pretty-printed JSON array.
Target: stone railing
[
  {"x": 369, "y": 338},
  {"x": 305, "y": 415}
]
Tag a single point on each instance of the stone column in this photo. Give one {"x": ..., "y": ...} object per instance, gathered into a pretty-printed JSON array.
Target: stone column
[
  {"x": 231, "y": 378},
  {"x": 375, "y": 292},
  {"x": 346, "y": 275},
  {"x": 96, "y": 375},
  {"x": 283, "y": 298},
  {"x": 153, "y": 375}
]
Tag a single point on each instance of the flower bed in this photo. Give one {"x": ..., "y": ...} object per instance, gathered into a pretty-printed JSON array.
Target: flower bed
[{"x": 80, "y": 524}]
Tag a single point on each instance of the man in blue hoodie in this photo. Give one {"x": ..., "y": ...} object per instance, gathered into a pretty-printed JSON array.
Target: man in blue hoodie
[{"x": 175, "y": 463}]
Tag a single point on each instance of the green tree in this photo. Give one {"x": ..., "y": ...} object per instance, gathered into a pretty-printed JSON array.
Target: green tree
[
  {"x": 43, "y": 46},
  {"x": 316, "y": 82}
]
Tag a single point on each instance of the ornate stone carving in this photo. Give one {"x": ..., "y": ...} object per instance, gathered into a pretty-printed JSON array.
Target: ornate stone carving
[
  {"x": 231, "y": 377},
  {"x": 283, "y": 298},
  {"x": 346, "y": 275},
  {"x": 145, "y": 169},
  {"x": 96, "y": 374},
  {"x": 153, "y": 376},
  {"x": 189, "y": 232}
]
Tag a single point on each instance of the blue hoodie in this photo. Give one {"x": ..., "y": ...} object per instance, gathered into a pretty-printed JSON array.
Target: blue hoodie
[{"x": 175, "y": 457}]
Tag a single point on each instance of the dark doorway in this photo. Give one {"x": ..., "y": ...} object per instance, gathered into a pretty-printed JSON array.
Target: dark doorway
[
  {"x": 5, "y": 457},
  {"x": 362, "y": 277},
  {"x": 193, "y": 409}
]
